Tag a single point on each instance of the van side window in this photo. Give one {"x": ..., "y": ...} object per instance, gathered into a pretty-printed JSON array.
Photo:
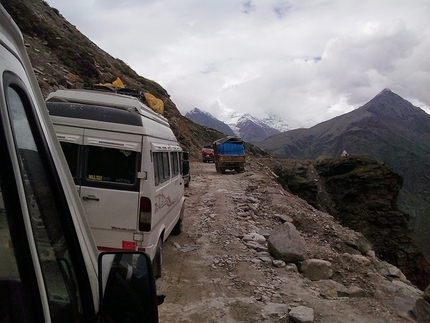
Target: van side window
[
  {"x": 111, "y": 165},
  {"x": 175, "y": 163},
  {"x": 161, "y": 167},
  {"x": 71, "y": 152},
  {"x": 46, "y": 212}
]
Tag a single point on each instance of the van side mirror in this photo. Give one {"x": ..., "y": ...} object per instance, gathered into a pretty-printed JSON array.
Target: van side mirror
[{"x": 127, "y": 289}]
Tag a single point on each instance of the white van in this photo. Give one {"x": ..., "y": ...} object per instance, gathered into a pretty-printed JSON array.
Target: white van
[
  {"x": 126, "y": 163},
  {"x": 50, "y": 268}
]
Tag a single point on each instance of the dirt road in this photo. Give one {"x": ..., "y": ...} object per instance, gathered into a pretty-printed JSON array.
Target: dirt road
[{"x": 210, "y": 275}]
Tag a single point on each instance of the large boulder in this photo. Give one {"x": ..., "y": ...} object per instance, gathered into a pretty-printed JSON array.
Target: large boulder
[{"x": 285, "y": 243}]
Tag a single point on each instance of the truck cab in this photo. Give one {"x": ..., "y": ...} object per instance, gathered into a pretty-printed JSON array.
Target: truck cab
[
  {"x": 51, "y": 270},
  {"x": 207, "y": 154}
]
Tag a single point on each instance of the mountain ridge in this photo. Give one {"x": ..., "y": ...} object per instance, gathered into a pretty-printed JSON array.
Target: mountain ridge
[
  {"x": 387, "y": 128},
  {"x": 247, "y": 126},
  {"x": 206, "y": 119}
]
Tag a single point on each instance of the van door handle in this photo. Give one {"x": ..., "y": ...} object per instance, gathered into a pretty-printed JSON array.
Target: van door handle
[{"x": 90, "y": 198}]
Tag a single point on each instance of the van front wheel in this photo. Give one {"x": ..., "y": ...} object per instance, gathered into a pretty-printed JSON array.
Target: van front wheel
[{"x": 158, "y": 259}]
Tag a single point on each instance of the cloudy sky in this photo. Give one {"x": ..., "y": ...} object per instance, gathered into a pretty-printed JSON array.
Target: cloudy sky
[{"x": 305, "y": 61}]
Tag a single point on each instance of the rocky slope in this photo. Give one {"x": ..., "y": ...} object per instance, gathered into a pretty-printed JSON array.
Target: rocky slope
[
  {"x": 253, "y": 252},
  {"x": 362, "y": 195}
]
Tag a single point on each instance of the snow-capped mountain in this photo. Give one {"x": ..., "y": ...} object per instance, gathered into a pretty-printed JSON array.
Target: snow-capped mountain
[
  {"x": 250, "y": 128},
  {"x": 277, "y": 123},
  {"x": 206, "y": 119}
]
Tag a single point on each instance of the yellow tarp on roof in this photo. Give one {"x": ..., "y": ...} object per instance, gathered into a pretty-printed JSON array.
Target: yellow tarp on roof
[
  {"x": 154, "y": 103},
  {"x": 116, "y": 83}
]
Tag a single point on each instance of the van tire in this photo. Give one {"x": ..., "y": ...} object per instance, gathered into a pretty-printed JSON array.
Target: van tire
[
  {"x": 158, "y": 259},
  {"x": 177, "y": 229}
]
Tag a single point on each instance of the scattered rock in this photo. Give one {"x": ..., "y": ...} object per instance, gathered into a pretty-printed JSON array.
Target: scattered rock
[
  {"x": 302, "y": 314},
  {"x": 331, "y": 289},
  {"x": 285, "y": 243},
  {"x": 390, "y": 271},
  {"x": 355, "y": 291},
  {"x": 237, "y": 279},
  {"x": 359, "y": 242},
  {"x": 255, "y": 237},
  {"x": 265, "y": 233},
  {"x": 292, "y": 268},
  {"x": 279, "y": 263},
  {"x": 276, "y": 310},
  {"x": 266, "y": 260},
  {"x": 316, "y": 269},
  {"x": 255, "y": 245},
  {"x": 283, "y": 218},
  {"x": 185, "y": 248}
]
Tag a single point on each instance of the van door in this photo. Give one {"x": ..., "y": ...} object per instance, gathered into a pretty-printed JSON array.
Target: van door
[
  {"x": 109, "y": 186},
  {"x": 41, "y": 252}
]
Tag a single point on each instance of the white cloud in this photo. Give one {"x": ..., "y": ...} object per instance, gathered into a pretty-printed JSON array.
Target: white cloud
[{"x": 305, "y": 61}]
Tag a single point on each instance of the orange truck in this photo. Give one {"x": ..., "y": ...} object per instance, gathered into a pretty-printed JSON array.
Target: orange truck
[{"x": 207, "y": 154}]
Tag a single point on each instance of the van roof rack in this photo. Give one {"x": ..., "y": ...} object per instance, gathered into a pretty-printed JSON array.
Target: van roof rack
[{"x": 114, "y": 89}]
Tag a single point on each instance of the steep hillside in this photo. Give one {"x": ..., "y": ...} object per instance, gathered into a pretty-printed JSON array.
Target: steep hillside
[
  {"x": 63, "y": 58},
  {"x": 387, "y": 128}
]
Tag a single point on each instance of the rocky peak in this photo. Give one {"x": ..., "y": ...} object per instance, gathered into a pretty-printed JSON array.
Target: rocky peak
[{"x": 206, "y": 119}]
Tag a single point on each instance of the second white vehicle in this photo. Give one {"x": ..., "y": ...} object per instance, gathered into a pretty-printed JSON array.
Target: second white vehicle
[{"x": 126, "y": 164}]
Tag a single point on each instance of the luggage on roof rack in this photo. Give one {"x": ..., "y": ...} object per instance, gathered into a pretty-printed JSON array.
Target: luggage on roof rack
[
  {"x": 97, "y": 87},
  {"x": 132, "y": 92},
  {"x": 117, "y": 86},
  {"x": 120, "y": 90}
]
